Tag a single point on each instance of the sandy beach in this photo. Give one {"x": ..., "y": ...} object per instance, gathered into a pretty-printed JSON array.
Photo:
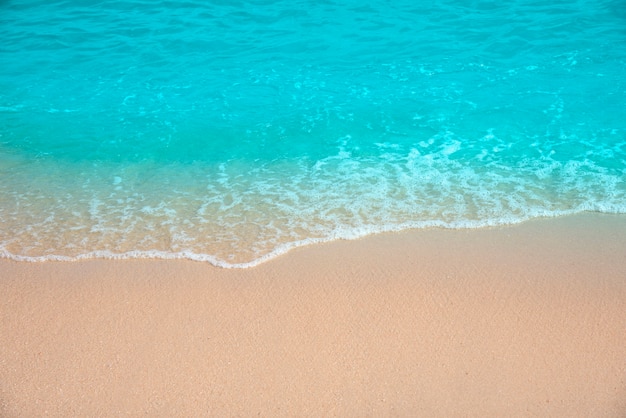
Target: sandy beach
[{"x": 526, "y": 320}]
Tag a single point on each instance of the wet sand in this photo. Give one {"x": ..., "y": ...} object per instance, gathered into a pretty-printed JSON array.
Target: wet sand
[{"x": 527, "y": 320}]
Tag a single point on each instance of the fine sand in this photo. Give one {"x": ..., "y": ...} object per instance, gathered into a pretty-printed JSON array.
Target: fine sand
[{"x": 528, "y": 320}]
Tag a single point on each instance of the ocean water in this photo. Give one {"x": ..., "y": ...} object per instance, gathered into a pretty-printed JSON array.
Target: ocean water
[{"x": 232, "y": 131}]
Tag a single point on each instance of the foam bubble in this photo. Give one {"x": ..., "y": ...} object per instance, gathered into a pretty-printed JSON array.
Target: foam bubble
[{"x": 220, "y": 215}]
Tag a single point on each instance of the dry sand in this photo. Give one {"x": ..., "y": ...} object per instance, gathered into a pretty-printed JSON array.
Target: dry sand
[{"x": 527, "y": 320}]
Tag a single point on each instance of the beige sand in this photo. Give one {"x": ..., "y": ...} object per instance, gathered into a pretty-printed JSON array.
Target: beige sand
[{"x": 518, "y": 321}]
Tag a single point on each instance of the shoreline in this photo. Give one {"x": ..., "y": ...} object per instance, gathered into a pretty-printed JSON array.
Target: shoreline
[
  {"x": 287, "y": 247},
  {"x": 507, "y": 321}
]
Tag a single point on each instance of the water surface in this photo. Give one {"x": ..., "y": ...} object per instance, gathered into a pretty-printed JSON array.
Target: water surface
[{"x": 232, "y": 131}]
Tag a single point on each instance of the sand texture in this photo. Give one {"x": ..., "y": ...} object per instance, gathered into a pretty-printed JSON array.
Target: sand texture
[{"x": 528, "y": 320}]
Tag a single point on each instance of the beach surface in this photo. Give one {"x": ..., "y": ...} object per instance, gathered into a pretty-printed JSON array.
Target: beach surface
[{"x": 525, "y": 320}]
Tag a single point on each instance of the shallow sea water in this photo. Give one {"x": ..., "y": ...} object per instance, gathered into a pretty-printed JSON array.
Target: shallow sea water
[{"x": 231, "y": 132}]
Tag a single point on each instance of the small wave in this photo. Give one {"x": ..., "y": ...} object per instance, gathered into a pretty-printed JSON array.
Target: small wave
[{"x": 339, "y": 234}]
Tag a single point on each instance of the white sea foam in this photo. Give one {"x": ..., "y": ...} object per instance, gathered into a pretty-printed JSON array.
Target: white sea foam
[
  {"x": 339, "y": 234},
  {"x": 240, "y": 215},
  {"x": 230, "y": 220}
]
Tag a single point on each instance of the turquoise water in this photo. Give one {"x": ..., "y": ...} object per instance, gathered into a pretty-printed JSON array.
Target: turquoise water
[{"x": 233, "y": 131}]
